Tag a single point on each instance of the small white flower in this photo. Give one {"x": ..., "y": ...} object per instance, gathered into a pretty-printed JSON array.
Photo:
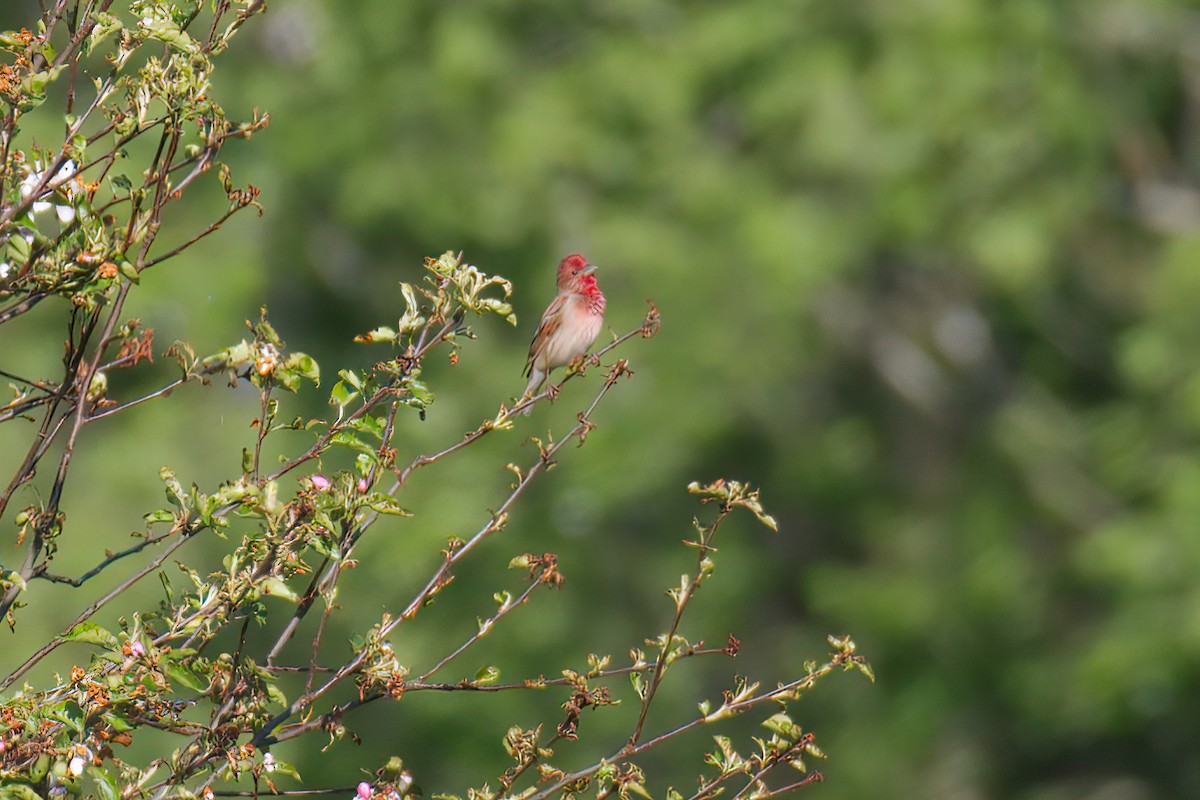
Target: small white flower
[
  {"x": 268, "y": 762},
  {"x": 5, "y": 269},
  {"x": 29, "y": 183},
  {"x": 66, "y": 214},
  {"x": 79, "y": 761}
]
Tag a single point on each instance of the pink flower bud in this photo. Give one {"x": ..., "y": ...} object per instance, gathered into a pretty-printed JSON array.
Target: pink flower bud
[
  {"x": 136, "y": 648},
  {"x": 320, "y": 482},
  {"x": 364, "y": 791},
  {"x": 363, "y": 485}
]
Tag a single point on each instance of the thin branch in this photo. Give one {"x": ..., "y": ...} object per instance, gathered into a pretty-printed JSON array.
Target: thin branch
[
  {"x": 103, "y": 565},
  {"x": 263, "y": 429},
  {"x": 94, "y": 607},
  {"x": 160, "y": 392},
  {"x": 541, "y": 682},
  {"x": 485, "y": 627},
  {"x": 704, "y": 545},
  {"x": 213, "y": 228},
  {"x": 22, "y": 306}
]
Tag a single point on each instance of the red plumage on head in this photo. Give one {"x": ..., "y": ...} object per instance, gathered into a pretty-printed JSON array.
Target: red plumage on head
[{"x": 569, "y": 270}]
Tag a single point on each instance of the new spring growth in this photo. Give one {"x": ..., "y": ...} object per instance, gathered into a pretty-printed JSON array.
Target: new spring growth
[{"x": 733, "y": 494}]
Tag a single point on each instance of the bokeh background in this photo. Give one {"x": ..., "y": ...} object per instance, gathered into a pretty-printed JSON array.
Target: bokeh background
[{"x": 929, "y": 276}]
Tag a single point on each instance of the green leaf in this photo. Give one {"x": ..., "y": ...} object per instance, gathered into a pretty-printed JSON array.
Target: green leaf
[
  {"x": 782, "y": 724},
  {"x": 104, "y": 26},
  {"x": 184, "y": 676},
  {"x": 175, "y": 491},
  {"x": 639, "y": 684},
  {"x": 386, "y": 504},
  {"x": 274, "y": 587},
  {"x": 419, "y": 391},
  {"x": 118, "y": 722},
  {"x": 165, "y": 29},
  {"x": 18, "y": 791},
  {"x": 106, "y": 784},
  {"x": 342, "y": 395},
  {"x": 91, "y": 633},
  {"x": 276, "y": 696},
  {"x": 40, "y": 768},
  {"x": 70, "y": 714},
  {"x": 487, "y": 675},
  {"x": 129, "y": 271},
  {"x": 368, "y": 424},
  {"x": 350, "y": 440},
  {"x": 305, "y": 366},
  {"x": 412, "y": 320},
  {"x": 637, "y": 788}
]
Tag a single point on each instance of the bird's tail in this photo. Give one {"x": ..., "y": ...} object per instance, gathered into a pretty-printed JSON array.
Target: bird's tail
[{"x": 536, "y": 377}]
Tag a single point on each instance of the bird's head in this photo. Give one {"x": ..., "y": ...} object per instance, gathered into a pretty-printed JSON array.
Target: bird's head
[{"x": 575, "y": 273}]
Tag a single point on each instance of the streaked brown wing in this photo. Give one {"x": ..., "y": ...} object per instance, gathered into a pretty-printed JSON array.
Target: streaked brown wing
[{"x": 549, "y": 324}]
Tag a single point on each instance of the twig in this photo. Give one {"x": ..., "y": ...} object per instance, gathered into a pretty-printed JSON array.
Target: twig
[
  {"x": 107, "y": 562},
  {"x": 92, "y": 609},
  {"x": 160, "y": 392},
  {"x": 485, "y": 627}
]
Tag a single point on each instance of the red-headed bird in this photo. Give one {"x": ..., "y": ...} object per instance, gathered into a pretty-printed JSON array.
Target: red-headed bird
[{"x": 571, "y": 322}]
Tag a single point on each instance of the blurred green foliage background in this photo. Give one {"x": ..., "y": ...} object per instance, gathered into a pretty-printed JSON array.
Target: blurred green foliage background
[{"x": 928, "y": 273}]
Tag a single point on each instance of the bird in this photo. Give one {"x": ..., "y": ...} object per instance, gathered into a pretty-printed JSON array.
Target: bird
[{"x": 571, "y": 323}]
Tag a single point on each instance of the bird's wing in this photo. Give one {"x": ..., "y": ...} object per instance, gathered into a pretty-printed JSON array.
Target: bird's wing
[{"x": 549, "y": 324}]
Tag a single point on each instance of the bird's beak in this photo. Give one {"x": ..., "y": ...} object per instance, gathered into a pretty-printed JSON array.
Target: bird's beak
[{"x": 588, "y": 270}]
